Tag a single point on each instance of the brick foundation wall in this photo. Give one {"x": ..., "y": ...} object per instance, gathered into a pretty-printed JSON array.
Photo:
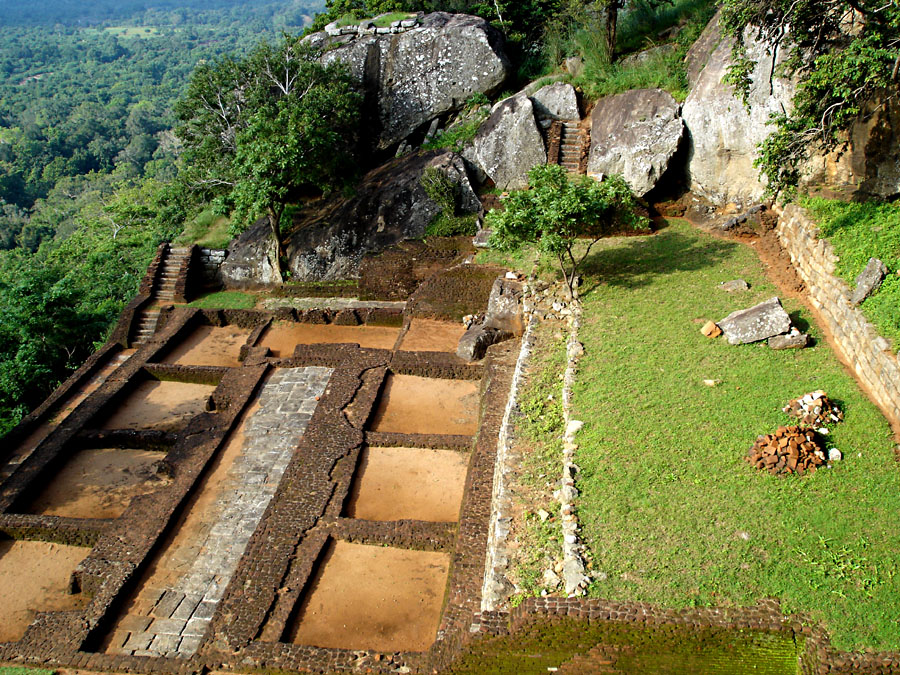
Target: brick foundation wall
[{"x": 857, "y": 340}]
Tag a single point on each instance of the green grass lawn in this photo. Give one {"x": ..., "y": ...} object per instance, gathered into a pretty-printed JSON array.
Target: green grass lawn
[
  {"x": 225, "y": 300},
  {"x": 207, "y": 230},
  {"x": 670, "y": 511}
]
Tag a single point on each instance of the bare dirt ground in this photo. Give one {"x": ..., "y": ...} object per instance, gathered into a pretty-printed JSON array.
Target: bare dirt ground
[
  {"x": 393, "y": 602},
  {"x": 408, "y": 483},
  {"x": 35, "y": 577},
  {"x": 167, "y": 406},
  {"x": 282, "y": 336},
  {"x": 182, "y": 546},
  {"x": 423, "y": 405},
  {"x": 428, "y": 335},
  {"x": 99, "y": 483},
  {"x": 210, "y": 346}
]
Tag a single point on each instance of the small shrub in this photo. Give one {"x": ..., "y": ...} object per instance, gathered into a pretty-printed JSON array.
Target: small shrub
[
  {"x": 440, "y": 189},
  {"x": 452, "y": 226}
]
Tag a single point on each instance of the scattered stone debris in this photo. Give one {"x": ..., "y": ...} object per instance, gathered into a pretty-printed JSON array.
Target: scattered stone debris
[
  {"x": 814, "y": 410},
  {"x": 735, "y": 285},
  {"x": 482, "y": 238},
  {"x": 793, "y": 340},
  {"x": 869, "y": 280},
  {"x": 711, "y": 330},
  {"x": 789, "y": 450},
  {"x": 763, "y": 321},
  {"x": 732, "y": 223}
]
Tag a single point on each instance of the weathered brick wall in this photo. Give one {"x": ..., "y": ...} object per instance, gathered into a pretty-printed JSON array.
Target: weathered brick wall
[{"x": 862, "y": 347}]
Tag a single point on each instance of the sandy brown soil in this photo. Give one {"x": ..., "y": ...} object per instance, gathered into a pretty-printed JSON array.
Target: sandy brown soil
[
  {"x": 183, "y": 544},
  {"x": 210, "y": 346},
  {"x": 35, "y": 577},
  {"x": 167, "y": 406},
  {"x": 408, "y": 483},
  {"x": 74, "y": 399},
  {"x": 428, "y": 335},
  {"x": 423, "y": 405},
  {"x": 372, "y": 597},
  {"x": 282, "y": 336},
  {"x": 99, "y": 483}
]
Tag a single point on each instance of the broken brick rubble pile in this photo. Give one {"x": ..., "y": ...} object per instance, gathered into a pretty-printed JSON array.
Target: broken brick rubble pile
[
  {"x": 814, "y": 410},
  {"x": 789, "y": 450}
]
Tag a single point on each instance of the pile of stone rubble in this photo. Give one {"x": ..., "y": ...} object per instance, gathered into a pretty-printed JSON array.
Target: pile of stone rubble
[
  {"x": 815, "y": 410},
  {"x": 789, "y": 450}
]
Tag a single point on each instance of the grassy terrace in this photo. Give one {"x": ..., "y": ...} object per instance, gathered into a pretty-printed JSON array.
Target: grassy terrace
[{"x": 669, "y": 510}]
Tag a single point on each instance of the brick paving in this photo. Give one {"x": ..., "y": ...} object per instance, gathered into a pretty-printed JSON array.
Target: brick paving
[{"x": 181, "y": 613}]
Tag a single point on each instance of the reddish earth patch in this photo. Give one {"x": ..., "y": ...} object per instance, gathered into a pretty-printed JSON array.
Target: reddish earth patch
[
  {"x": 408, "y": 483},
  {"x": 99, "y": 483},
  {"x": 35, "y": 577},
  {"x": 423, "y": 405},
  {"x": 282, "y": 336},
  {"x": 428, "y": 335},
  {"x": 210, "y": 346},
  {"x": 373, "y": 597},
  {"x": 167, "y": 406}
]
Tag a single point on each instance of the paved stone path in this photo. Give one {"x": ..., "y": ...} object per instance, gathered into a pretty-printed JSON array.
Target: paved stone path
[{"x": 180, "y": 614}]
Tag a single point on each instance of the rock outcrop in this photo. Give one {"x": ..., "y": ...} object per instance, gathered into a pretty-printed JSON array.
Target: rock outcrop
[
  {"x": 389, "y": 206},
  {"x": 635, "y": 134},
  {"x": 556, "y": 101},
  {"x": 413, "y": 77},
  {"x": 508, "y": 145},
  {"x": 724, "y": 133},
  {"x": 252, "y": 258}
]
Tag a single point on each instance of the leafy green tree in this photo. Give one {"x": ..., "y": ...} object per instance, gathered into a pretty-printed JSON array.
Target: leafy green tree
[
  {"x": 261, "y": 129},
  {"x": 558, "y": 210},
  {"x": 846, "y": 54}
]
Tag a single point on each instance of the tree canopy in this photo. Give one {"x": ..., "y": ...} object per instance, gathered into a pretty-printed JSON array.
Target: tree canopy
[
  {"x": 259, "y": 129},
  {"x": 558, "y": 210},
  {"x": 846, "y": 54}
]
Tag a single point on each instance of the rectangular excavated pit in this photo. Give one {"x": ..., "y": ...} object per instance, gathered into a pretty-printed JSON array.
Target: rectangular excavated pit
[
  {"x": 282, "y": 336},
  {"x": 99, "y": 483},
  {"x": 423, "y": 405},
  {"x": 160, "y": 405},
  {"x": 429, "y": 335},
  {"x": 408, "y": 483},
  {"x": 210, "y": 346},
  {"x": 35, "y": 576},
  {"x": 373, "y": 597}
]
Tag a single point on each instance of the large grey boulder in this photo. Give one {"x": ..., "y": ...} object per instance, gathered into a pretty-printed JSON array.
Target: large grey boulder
[
  {"x": 556, "y": 101},
  {"x": 252, "y": 258},
  {"x": 508, "y": 145},
  {"x": 763, "y": 321},
  {"x": 504, "y": 310},
  {"x": 412, "y": 78},
  {"x": 724, "y": 133},
  {"x": 635, "y": 134},
  {"x": 869, "y": 280},
  {"x": 389, "y": 205},
  {"x": 698, "y": 55}
]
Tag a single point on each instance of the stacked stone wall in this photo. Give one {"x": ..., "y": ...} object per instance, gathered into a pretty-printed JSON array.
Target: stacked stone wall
[{"x": 856, "y": 339}]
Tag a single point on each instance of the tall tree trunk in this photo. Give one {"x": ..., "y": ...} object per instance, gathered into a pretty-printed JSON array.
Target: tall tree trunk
[
  {"x": 612, "y": 20},
  {"x": 275, "y": 212}
]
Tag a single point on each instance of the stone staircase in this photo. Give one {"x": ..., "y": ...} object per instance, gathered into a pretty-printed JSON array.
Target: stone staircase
[
  {"x": 163, "y": 293},
  {"x": 570, "y": 146}
]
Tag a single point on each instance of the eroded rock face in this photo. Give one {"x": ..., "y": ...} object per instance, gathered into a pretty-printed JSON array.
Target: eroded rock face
[
  {"x": 556, "y": 101},
  {"x": 389, "y": 206},
  {"x": 411, "y": 78},
  {"x": 508, "y": 145},
  {"x": 724, "y": 133},
  {"x": 252, "y": 258},
  {"x": 635, "y": 134}
]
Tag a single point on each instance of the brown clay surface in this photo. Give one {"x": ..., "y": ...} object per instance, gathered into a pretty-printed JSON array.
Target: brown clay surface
[
  {"x": 99, "y": 483},
  {"x": 422, "y": 405},
  {"x": 183, "y": 544},
  {"x": 34, "y": 577},
  {"x": 408, "y": 483},
  {"x": 428, "y": 335},
  {"x": 210, "y": 346},
  {"x": 282, "y": 336},
  {"x": 167, "y": 406},
  {"x": 372, "y": 597},
  {"x": 74, "y": 399}
]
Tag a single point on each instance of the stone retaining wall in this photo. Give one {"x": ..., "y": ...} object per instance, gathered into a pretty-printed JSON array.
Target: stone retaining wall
[
  {"x": 856, "y": 339},
  {"x": 209, "y": 262}
]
